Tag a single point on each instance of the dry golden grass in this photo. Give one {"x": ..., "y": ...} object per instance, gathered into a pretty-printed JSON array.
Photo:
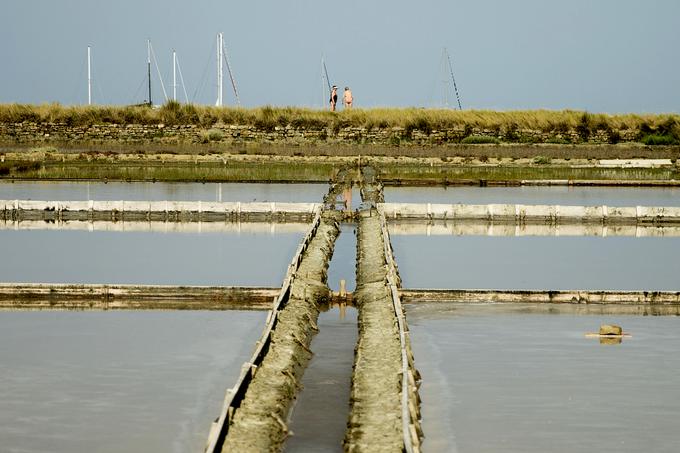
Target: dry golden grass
[{"x": 409, "y": 118}]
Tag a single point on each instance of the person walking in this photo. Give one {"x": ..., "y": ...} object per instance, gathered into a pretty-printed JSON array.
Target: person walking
[
  {"x": 334, "y": 98},
  {"x": 347, "y": 98}
]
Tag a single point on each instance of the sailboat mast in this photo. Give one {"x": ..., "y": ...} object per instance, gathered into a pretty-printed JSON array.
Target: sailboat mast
[
  {"x": 174, "y": 75},
  {"x": 148, "y": 61},
  {"x": 220, "y": 70},
  {"x": 455, "y": 87},
  {"x": 89, "y": 76},
  {"x": 323, "y": 86}
]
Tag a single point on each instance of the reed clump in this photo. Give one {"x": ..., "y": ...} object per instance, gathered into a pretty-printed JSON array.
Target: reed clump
[{"x": 505, "y": 125}]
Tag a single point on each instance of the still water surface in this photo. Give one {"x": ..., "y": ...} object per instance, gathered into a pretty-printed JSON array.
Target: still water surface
[
  {"x": 578, "y": 196},
  {"x": 117, "y": 381},
  {"x": 540, "y": 262},
  {"x": 246, "y": 259},
  {"x": 533, "y": 383},
  {"x": 343, "y": 262},
  {"x": 161, "y": 191},
  {"x": 319, "y": 418}
]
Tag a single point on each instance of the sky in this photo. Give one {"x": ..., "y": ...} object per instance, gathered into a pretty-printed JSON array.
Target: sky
[{"x": 611, "y": 56}]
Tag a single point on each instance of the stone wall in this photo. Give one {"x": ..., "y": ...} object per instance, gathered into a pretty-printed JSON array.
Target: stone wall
[{"x": 56, "y": 133}]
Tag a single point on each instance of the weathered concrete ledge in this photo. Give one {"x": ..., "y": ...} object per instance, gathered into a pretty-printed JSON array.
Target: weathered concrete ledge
[
  {"x": 442, "y": 309},
  {"x": 50, "y": 296},
  {"x": 483, "y": 228},
  {"x": 583, "y": 297},
  {"x": 256, "y": 410},
  {"x": 550, "y": 214},
  {"x": 384, "y": 402},
  {"x": 237, "y": 227},
  {"x": 179, "y": 211}
]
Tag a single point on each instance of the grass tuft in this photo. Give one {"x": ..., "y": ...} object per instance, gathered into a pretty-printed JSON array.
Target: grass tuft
[
  {"x": 480, "y": 140},
  {"x": 542, "y": 160},
  {"x": 659, "y": 140}
]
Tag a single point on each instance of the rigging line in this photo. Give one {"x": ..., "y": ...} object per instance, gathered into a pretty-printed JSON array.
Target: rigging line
[
  {"x": 432, "y": 86},
  {"x": 231, "y": 75},
  {"x": 101, "y": 94},
  {"x": 328, "y": 81},
  {"x": 201, "y": 85},
  {"x": 181, "y": 78},
  {"x": 323, "y": 86},
  {"x": 81, "y": 75},
  {"x": 453, "y": 78},
  {"x": 160, "y": 77},
  {"x": 446, "y": 80},
  {"x": 139, "y": 88}
]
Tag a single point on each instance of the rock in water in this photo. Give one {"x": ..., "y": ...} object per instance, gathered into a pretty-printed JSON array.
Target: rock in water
[{"x": 610, "y": 329}]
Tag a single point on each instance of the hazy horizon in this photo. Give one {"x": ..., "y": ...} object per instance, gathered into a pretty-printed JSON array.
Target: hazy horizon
[{"x": 606, "y": 56}]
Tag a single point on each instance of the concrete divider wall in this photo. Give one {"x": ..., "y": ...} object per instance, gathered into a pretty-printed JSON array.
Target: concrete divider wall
[
  {"x": 584, "y": 297},
  {"x": 154, "y": 210},
  {"x": 532, "y": 213}
]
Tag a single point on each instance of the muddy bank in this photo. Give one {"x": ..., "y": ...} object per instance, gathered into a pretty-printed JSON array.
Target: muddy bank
[
  {"x": 260, "y": 422},
  {"x": 375, "y": 422}
]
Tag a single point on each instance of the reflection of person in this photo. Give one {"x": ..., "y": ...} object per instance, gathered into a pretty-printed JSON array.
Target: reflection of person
[
  {"x": 334, "y": 97},
  {"x": 347, "y": 98}
]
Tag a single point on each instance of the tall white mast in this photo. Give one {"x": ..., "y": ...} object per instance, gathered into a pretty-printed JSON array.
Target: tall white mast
[
  {"x": 89, "y": 76},
  {"x": 148, "y": 66},
  {"x": 220, "y": 70},
  {"x": 174, "y": 75}
]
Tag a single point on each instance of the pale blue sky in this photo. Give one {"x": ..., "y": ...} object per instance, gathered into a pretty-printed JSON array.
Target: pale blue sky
[{"x": 599, "y": 55}]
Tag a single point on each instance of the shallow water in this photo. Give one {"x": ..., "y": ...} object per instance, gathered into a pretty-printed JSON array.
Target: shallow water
[
  {"x": 117, "y": 381},
  {"x": 562, "y": 195},
  {"x": 246, "y": 259},
  {"x": 320, "y": 415},
  {"x": 540, "y": 262},
  {"x": 534, "y": 383},
  {"x": 343, "y": 262},
  {"x": 160, "y": 191}
]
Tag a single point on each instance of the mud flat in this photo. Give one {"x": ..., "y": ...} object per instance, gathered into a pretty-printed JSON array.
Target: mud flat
[{"x": 259, "y": 421}]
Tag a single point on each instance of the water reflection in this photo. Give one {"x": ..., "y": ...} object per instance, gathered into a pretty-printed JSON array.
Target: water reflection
[
  {"x": 550, "y": 195},
  {"x": 320, "y": 415},
  {"x": 471, "y": 228},
  {"x": 160, "y": 191}
]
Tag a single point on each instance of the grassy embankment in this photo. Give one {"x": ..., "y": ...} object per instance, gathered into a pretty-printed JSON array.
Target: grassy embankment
[
  {"x": 475, "y": 158},
  {"x": 560, "y": 127}
]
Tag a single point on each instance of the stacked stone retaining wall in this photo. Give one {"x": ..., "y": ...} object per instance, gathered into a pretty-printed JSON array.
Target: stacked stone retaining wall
[{"x": 57, "y": 133}]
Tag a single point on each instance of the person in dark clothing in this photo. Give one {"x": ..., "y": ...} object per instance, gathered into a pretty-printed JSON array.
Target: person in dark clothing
[{"x": 334, "y": 98}]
